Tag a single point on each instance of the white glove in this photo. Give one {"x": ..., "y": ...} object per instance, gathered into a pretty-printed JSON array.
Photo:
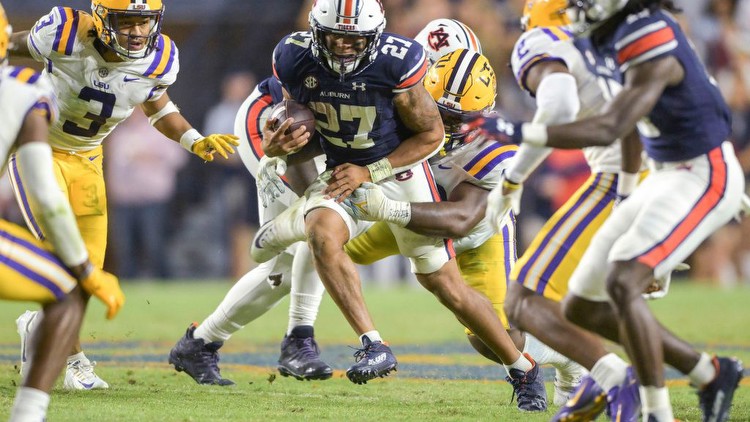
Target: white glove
[
  {"x": 369, "y": 203},
  {"x": 268, "y": 180},
  {"x": 504, "y": 197},
  {"x": 659, "y": 288}
]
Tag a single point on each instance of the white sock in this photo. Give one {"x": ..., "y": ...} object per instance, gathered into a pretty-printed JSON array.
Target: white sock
[
  {"x": 303, "y": 310},
  {"x": 655, "y": 402},
  {"x": 609, "y": 371},
  {"x": 543, "y": 354},
  {"x": 523, "y": 363},
  {"x": 77, "y": 356},
  {"x": 704, "y": 371},
  {"x": 30, "y": 405},
  {"x": 252, "y": 296},
  {"x": 372, "y": 336},
  {"x": 307, "y": 290}
]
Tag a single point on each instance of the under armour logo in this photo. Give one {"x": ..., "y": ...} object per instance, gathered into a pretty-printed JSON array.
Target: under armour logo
[
  {"x": 438, "y": 39},
  {"x": 356, "y": 86}
]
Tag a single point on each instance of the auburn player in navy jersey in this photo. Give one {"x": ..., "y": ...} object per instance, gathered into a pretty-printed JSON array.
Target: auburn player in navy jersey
[
  {"x": 377, "y": 124},
  {"x": 695, "y": 186}
]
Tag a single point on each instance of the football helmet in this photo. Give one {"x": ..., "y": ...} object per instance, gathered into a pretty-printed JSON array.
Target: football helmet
[
  {"x": 107, "y": 13},
  {"x": 544, "y": 13},
  {"x": 441, "y": 36},
  {"x": 463, "y": 84},
  {"x": 356, "y": 18},
  {"x": 587, "y": 15},
  {"x": 5, "y": 31}
]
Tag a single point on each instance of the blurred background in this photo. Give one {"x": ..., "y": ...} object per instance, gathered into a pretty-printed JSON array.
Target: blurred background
[{"x": 174, "y": 217}]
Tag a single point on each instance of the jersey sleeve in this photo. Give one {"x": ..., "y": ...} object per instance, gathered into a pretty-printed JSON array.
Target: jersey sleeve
[
  {"x": 537, "y": 45},
  {"x": 409, "y": 70},
  {"x": 487, "y": 165},
  {"x": 287, "y": 53},
  {"x": 646, "y": 38},
  {"x": 55, "y": 33},
  {"x": 164, "y": 66}
]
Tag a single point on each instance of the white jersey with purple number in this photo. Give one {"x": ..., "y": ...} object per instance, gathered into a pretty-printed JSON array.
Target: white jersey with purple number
[
  {"x": 94, "y": 95},
  {"x": 556, "y": 44}
]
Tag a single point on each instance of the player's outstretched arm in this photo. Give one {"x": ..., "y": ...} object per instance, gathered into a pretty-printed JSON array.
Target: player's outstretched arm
[
  {"x": 19, "y": 45},
  {"x": 164, "y": 115}
]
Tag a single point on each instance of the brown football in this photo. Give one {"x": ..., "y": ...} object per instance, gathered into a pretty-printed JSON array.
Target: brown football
[{"x": 299, "y": 112}]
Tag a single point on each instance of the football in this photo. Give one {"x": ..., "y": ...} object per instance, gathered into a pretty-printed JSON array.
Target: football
[{"x": 299, "y": 112}]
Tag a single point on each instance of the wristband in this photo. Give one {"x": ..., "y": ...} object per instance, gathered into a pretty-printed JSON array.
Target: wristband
[
  {"x": 380, "y": 170},
  {"x": 510, "y": 185},
  {"x": 534, "y": 134},
  {"x": 626, "y": 183},
  {"x": 167, "y": 109},
  {"x": 189, "y": 138}
]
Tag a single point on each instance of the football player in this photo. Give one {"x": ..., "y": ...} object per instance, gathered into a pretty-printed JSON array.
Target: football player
[
  {"x": 57, "y": 274},
  {"x": 694, "y": 186},
  {"x": 102, "y": 65},
  {"x": 441, "y": 36}
]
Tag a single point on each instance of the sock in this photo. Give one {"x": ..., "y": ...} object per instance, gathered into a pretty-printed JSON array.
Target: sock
[
  {"x": 523, "y": 363},
  {"x": 303, "y": 310},
  {"x": 307, "y": 290},
  {"x": 370, "y": 337},
  {"x": 609, "y": 371},
  {"x": 543, "y": 354},
  {"x": 30, "y": 405},
  {"x": 302, "y": 331},
  {"x": 77, "y": 356},
  {"x": 655, "y": 402},
  {"x": 704, "y": 371},
  {"x": 252, "y": 296}
]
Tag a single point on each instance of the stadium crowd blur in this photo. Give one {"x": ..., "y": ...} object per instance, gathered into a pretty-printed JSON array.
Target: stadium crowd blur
[{"x": 210, "y": 211}]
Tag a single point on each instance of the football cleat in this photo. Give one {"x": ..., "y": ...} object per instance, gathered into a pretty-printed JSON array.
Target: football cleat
[
  {"x": 300, "y": 356},
  {"x": 528, "y": 388},
  {"x": 373, "y": 360},
  {"x": 80, "y": 375},
  {"x": 624, "y": 400},
  {"x": 567, "y": 379},
  {"x": 276, "y": 235},
  {"x": 585, "y": 404},
  {"x": 25, "y": 324},
  {"x": 198, "y": 359},
  {"x": 716, "y": 398}
]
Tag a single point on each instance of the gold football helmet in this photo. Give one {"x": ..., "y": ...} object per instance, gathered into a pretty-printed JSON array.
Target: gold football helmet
[
  {"x": 5, "y": 31},
  {"x": 107, "y": 13},
  {"x": 544, "y": 13},
  {"x": 463, "y": 84}
]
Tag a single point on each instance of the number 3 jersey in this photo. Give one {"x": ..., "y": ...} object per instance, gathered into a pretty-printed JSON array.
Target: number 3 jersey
[
  {"x": 356, "y": 118},
  {"x": 556, "y": 44},
  {"x": 94, "y": 95}
]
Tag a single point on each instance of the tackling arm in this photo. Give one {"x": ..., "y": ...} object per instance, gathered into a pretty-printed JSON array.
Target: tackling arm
[{"x": 453, "y": 218}]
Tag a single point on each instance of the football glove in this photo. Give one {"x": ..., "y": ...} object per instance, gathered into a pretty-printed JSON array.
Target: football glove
[
  {"x": 106, "y": 288},
  {"x": 369, "y": 203},
  {"x": 270, "y": 185},
  {"x": 504, "y": 197},
  {"x": 215, "y": 143},
  {"x": 493, "y": 127}
]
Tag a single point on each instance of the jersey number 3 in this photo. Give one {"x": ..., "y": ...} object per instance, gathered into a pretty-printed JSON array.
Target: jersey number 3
[{"x": 97, "y": 120}]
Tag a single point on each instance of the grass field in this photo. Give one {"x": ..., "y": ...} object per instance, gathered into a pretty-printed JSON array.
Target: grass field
[{"x": 439, "y": 376}]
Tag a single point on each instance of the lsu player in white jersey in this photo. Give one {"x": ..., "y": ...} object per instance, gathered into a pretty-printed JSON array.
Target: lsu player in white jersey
[
  {"x": 102, "y": 65},
  {"x": 56, "y": 274}
]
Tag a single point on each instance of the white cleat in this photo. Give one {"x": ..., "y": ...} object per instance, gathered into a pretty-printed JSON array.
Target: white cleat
[
  {"x": 567, "y": 378},
  {"x": 276, "y": 235},
  {"x": 25, "y": 325},
  {"x": 80, "y": 375}
]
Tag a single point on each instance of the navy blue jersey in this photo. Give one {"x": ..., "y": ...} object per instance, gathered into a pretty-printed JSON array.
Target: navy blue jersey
[
  {"x": 272, "y": 86},
  {"x": 356, "y": 118},
  {"x": 689, "y": 119}
]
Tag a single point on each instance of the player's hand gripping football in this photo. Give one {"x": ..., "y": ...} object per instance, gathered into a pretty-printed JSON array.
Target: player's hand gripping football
[
  {"x": 105, "y": 287},
  {"x": 495, "y": 127},
  {"x": 504, "y": 197},
  {"x": 270, "y": 185},
  {"x": 277, "y": 142},
  {"x": 215, "y": 143}
]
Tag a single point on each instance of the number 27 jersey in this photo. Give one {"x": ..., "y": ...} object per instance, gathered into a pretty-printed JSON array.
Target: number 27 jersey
[
  {"x": 94, "y": 95},
  {"x": 356, "y": 118}
]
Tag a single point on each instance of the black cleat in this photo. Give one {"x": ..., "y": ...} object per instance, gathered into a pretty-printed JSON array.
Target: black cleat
[
  {"x": 374, "y": 360},
  {"x": 716, "y": 397},
  {"x": 528, "y": 388},
  {"x": 300, "y": 356},
  {"x": 198, "y": 359}
]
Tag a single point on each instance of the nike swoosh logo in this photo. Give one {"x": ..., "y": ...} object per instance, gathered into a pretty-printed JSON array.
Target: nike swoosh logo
[
  {"x": 440, "y": 166},
  {"x": 93, "y": 157},
  {"x": 126, "y": 79}
]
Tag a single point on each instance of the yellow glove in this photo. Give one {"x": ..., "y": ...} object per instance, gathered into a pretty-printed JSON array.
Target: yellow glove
[
  {"x": 106, "y": 288},
  {"x": 207, "y": 146}
]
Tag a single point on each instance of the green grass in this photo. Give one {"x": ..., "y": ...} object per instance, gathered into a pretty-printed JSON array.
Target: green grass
[{"x": 157, "y": 314}]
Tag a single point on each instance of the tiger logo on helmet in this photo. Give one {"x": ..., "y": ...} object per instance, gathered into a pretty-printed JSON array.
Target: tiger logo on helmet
[
  {"x": 441, "y": 36},
  {"x": 544, "y": 14},
  {"x": 108, "y": 13},
  {"x": 5, "y": 31},
  {"x": 464, "y": 85},
  {"x": 355, "y": 18}
]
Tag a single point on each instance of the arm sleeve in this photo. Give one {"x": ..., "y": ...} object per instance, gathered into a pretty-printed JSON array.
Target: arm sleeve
[
  {"x": 59, "y": 224},
  {"x": 557, "y": 102}
]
